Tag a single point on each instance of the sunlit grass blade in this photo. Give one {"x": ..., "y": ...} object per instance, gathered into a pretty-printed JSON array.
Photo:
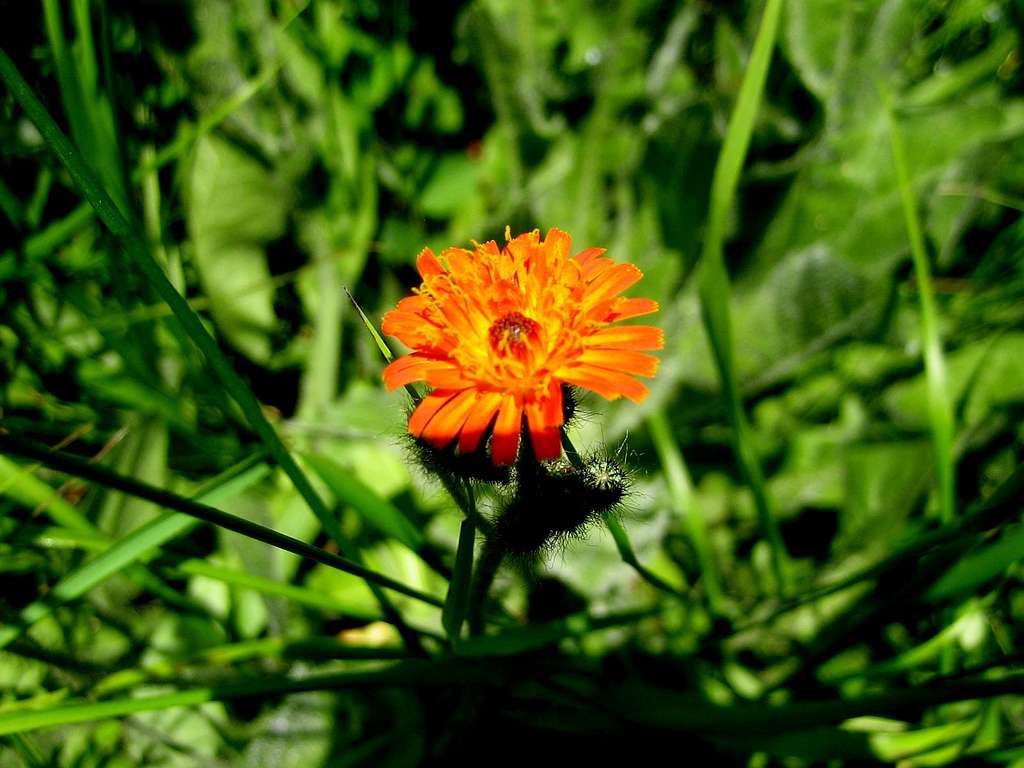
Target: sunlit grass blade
[
  {"x": 435, "y": 673},
  {"x": 138, "y": 251},
  {"x": 940, "y": 408},
  {"x": 382, "y": 345},
  {"x": 284, "y": 649},
  {"x": 713, "y": 278},
  {"x": 681, "y": 490},
  {"x": 19, "y": 483},
  {"x": 295, "y": 594},
  {"x": 78, "y": 468},
  {"x": 923, "y": 654}
]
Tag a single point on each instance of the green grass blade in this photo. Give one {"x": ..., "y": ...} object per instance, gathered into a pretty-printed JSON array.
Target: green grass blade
[
  {"x": 413, "y": 673},
  {"x": 74, "y": 466},
  {"x": 376, "y": 510},
  {"x": 940, "y": 408},
  {"x": 457, "y": 601},
  {"x": 285, "y": 649},
  {"x": 18, "y": 483},
  {"x": 978, "y": 567},
  {"x": 139, "y": 253},
  {"x": 291, "y": 592},
  {"x": 382, "y": 345},
  {"x": 131, "y": 549},
  {"x": 678, "y": 711},
  {"x": 713, "y": 278},
  {"x": 681, "y": 490}
]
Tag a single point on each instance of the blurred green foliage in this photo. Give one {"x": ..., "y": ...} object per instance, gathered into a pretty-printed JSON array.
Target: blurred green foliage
[{"x": 272, "y": 152}]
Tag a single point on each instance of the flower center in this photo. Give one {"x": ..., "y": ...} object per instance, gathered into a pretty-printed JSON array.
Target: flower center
[{"x": 510, "y": 332}]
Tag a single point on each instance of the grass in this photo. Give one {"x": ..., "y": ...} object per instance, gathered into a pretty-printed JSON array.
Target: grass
[{"x": 217, "y": 544}]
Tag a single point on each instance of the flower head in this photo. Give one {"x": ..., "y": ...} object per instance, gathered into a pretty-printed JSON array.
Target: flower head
[{"x": 497, "y": 332}]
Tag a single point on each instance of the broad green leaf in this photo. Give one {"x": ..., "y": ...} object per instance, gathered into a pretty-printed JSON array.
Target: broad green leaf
[{"x": 235, "y": 207}]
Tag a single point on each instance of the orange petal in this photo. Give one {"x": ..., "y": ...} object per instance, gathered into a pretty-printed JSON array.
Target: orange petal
[
  {"x": 428, "y": 265},
  {"x": 559, "y": 242},
  {"x": 413, "y": 330},
  {"x": 447, "y": 422},
  {"x": 408, "y": 369},
  {"x": 608, "y": 384},
  {"x": 414, "y": 304},
  {"x": 455, "y": 313},
  {"x": 505, "y": 443},
  {"x": 425, "y": 411},
  {"x": 626, "y": 361},
  {"x": 611, "y": 283},
  {"x": 545, "y": 419},
  {"x": 447, "y": 377},
  {"x": 587, "y": 255},
  {"x": 623, "y": 309},
  {"x": 596, "y": 267},
  {"x": 478, "y": 422},
  {"x": 627, "y": 337}
]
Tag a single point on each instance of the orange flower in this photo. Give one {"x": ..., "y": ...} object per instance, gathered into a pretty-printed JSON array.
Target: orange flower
[{"x": 497, "y": 333}]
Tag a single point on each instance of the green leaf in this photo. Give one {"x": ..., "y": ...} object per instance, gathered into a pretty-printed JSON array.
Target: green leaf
[
  {"x": 979, "y": 567},
  {"x": 451, "y": 185},
  {"x": 235, "y": 207},
  {"x": 376, "y": 510}
]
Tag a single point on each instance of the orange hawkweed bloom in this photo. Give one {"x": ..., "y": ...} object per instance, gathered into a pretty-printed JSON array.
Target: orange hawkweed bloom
[{"x": 497, "y": 332}]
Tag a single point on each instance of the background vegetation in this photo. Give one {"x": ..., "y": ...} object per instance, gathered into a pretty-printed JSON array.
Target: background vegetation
[{"x": 831, "y": 573}]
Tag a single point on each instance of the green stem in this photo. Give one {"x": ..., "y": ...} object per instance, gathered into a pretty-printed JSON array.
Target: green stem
[
  {"x": 483, "y": 577},
  {"x": 713, "y": 279},
  {"x": 457, "y": 601},
  {"x": 619, "y": 535}
]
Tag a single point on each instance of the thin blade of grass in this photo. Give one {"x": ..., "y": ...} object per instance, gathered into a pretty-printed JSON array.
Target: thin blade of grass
[
  {"x": 286, "y": 649},
  {"x": 74, "y": 466},
  {"x": 681, "y": 490},
  {"x": 18, "y": 483},
  {"x": 713, "y": 278},
  {"x": 291, "y": 592},
  {"x": 411, "y": 673},
  {"x": 940, "y": 408},
  {"x": 382, "y": 345},
  {"x": 122, "y": 553},
  {"x": 138, "y": 251}
]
